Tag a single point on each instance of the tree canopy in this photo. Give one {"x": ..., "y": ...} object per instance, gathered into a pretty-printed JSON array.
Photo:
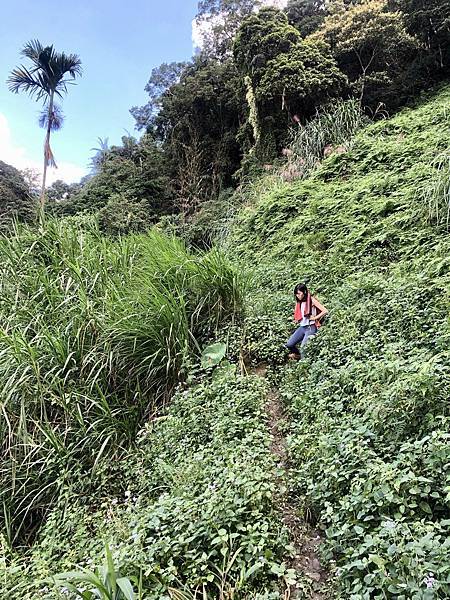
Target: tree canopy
[
  {"x": 259, "y": 74},
  {"x": 289, "y": 77},
  {"x": 134, "y": 171},
  {"x": 306, "y": 15},
  {"x": 15, "y": 197},
  {"x": 371, "y": 45}
]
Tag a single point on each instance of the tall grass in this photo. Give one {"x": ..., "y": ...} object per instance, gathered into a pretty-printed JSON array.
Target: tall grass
[
  {"x": 332, "y": 129},
  {"x": 437, "y": 192},
  {"x": 94, "y": 334}
]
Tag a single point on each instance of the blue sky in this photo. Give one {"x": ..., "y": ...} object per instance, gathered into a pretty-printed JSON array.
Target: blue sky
[{"x": 118, "y": 42}]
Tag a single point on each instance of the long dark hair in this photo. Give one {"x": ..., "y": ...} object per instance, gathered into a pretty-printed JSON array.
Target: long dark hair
[{"x": 301, "y": 287}]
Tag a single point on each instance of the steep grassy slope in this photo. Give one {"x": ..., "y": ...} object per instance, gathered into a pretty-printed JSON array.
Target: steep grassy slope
[
  {"x": 187, "y": 498},
  {"x": 370, "y": 406}
]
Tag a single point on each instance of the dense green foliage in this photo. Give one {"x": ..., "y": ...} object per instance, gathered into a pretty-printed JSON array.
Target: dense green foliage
[
  {"x": 198, "y": 124},
  {"x": 429, "y": 21},
  {"x": 127, "y": 420},
  {"x": 372, "y": 47},
  {"x": 93, "y": 336},
  {"x": 306, "y": 15},
  {"x": 190, "y": 505},
  {"x": 60, "y": 197},
  {"x": 15, "y": 197},
  {"x": 287, "y": 75},
  {"x": 129, "y": 189},
  {"x": 216, "y": 120},
  {"x": 370, "y": 413},
  {"x": 190, "y": 508},
  {"x": 332, "y": 130}
]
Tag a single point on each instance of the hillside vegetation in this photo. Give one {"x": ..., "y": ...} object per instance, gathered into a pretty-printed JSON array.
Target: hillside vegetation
[
  {"x": 222, "y": 117},
  {"x": 369, "y": 408},
  {"x": 115, "y": 433}
]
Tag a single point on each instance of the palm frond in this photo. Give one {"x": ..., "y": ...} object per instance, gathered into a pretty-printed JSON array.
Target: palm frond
[
  {"x": 48, "y": 155},
  {"x": 65, "y": 64},
  {"x": 103, "y": 145},
  {"x": 33, "y": 50},
  {"x": 48, "y": 71},
  {"x": 22, "y": 79},
  {"x": 101, "y": 152},
  {"x": 69, "y": 63}
]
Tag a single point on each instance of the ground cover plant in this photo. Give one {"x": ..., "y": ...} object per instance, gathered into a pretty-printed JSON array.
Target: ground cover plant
[
  {"x": 196, "y": 513},
  {"x": 369, "y": 407}
]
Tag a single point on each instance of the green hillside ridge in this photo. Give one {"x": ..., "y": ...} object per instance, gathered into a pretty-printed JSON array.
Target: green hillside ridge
[{"x": 369, "y": 408}]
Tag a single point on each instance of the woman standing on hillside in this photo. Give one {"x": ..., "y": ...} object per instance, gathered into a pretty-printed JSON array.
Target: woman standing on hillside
[{"x": 308, "y": 312}]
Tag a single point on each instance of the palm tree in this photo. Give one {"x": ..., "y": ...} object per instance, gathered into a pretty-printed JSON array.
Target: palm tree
[
  {"x": 45, "y": 79},
  {"x": 100, "y": 154}
]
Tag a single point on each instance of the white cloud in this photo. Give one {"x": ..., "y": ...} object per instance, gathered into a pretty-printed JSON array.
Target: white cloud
[
  {"x": 16, "y": 155},
  {"x": 200, "y": 28}
]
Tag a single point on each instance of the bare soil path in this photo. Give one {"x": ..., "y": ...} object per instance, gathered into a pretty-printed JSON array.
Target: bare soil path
[{"x": 312, "y": 577}]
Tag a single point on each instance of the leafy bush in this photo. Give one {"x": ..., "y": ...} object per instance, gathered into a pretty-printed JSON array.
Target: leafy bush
[
  {"x": 129, "y": 186},
  {"x": 210, "y": 224},
  {"x": 16, "y": 200},
  {"x": 122, "y": 215}
]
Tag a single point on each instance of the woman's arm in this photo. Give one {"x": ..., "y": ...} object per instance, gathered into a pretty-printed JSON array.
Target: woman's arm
[{"x": 320, "y": 307}]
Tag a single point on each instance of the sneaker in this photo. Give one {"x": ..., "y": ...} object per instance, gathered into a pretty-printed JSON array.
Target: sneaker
[{"x": 294, "y": 356}]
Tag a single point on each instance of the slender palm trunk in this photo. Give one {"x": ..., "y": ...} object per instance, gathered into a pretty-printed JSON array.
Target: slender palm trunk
[{"x": 46, "y": 157}]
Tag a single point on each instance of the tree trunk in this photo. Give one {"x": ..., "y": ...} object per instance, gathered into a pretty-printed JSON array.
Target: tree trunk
[{"x": 46, "y": 145}]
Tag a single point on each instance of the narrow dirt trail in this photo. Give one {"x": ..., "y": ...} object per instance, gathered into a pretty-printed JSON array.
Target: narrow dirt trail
[{"x": 312, "y": 577}]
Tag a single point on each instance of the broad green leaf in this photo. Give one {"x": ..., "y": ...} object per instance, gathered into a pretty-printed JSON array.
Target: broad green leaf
[{"x": 213, "y": 354}]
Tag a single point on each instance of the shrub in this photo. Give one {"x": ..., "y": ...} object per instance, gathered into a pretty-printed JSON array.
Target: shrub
[
  {"x": 197, "y": 511},
  {"x": 16, "y": 200}
]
